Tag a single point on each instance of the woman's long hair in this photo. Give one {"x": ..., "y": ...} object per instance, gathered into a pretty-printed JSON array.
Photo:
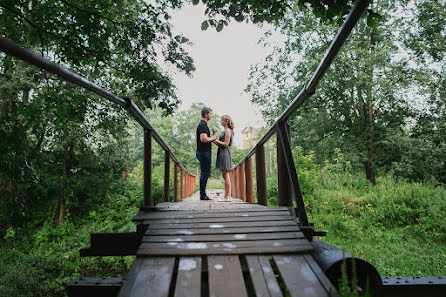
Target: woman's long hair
[{"x": 229, "y": 122}]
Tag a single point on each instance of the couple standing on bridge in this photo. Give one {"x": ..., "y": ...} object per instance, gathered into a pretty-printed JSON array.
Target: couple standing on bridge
[{"x": 204, "y": 151}]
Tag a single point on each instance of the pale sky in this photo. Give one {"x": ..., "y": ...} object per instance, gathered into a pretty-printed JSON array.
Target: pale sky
[{"x": 222, "y": 61}]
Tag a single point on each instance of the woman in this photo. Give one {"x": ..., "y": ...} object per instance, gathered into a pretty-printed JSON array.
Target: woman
[{"x": 224, "y": 159}]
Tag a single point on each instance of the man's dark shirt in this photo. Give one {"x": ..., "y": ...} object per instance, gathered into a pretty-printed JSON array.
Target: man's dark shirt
[{"x": 203, "y": 128}]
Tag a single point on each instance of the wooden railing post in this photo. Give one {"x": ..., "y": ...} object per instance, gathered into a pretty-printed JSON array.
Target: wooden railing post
[
  {"x": 248, "y": 175},
  {"x": 175, "y": 183},
  {"x": 166, "y": 175},
  {"x": 236, "y": 182},
  {"x": 188, "y": 185},
  {"x": 231, "y": 177},
  {"x": 261, "y": 175},
  {"x": 283, "y": 180},
  {"x": 242, "y": 182},
  {"x": 181, "y": 184},
  {"x": 147, "y": 168},
  {"x": 284, "y": 132}
]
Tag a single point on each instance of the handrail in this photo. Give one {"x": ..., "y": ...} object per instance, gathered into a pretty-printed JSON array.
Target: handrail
[
  {"x": 15, "y": 50},
  {"x": 309, "y": 89}
]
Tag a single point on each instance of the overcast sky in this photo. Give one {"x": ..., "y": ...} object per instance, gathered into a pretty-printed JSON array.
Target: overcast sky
[{"x": 222, "y": 61}]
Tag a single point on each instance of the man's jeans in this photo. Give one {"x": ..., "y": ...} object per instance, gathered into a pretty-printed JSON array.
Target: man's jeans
[{"x": 205, "y": 170}]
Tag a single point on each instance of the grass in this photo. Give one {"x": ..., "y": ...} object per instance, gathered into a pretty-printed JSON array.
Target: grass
[{"x": 399, "y": 227}]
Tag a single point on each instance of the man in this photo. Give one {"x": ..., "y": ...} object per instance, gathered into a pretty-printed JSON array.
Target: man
[{"x": 204, "y": 146}]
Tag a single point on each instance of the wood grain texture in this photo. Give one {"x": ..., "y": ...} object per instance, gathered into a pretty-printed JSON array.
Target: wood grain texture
[
  {"x": 149, "y": 277},
  {"x": 225, "y": 277},
  {"x": 220, "y": 230},
  {"x": 220, "y": 220},
  {"x": 195, "y": 215},
  {"x": 224, "y": 248},
  {"x": 224, "y": 237},
  {"x": 262, "y": 277},
  {"x": 298, "y": 276},
  {"x": 188, "y": 282},
  {"x": 157, "y": 225}
]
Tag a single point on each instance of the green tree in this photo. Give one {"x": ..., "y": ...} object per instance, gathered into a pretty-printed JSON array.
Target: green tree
[{"x": 360, "y": 99}]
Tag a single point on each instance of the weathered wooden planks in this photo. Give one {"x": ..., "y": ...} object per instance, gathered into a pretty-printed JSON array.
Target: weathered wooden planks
[
  {"x": 223, "y": 237},
  {"x": 220, "y": 220},
  {"x": 262, "y": 277},
  {"x": 224, "y": 247},
  {"x": 298, "y": 276},
  {"x": 221, "y": 230},
  {"x": 164, "y": 215},
  {"x": 225, "y": 277},
  {"x": 188, "y": 283},
  {"x": 149, "y": 277},
  {"x": 156, "y": 225}
]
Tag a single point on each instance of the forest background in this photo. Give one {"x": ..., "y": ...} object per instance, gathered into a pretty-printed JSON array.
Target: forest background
[{"x": 369, "y": 145}]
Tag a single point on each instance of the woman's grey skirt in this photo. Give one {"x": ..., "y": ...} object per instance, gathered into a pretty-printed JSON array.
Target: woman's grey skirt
[{"x": 224, "y": 158}]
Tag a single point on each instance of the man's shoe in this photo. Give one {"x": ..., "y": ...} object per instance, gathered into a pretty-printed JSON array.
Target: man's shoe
[{"x": 205, "y": 198}]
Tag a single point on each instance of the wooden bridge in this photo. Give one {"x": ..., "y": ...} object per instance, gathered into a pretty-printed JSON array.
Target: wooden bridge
[
  {"x": 200, "y": 248},
  {"x": 191, "y": 248}
]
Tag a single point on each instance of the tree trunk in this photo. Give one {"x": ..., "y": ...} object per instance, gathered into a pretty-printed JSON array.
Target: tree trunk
[{"x": 60, "y": 211}]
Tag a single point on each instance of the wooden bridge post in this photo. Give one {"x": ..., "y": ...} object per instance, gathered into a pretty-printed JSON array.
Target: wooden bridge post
[
  {"x": 261, "y": 175},
  {"x": 175, "y": 183},
  {"x": 231, "y": 176},
  {"x": 248, "y": 175},
  {"x": 166, "y": 175},
  {"x": 147, "y": 168},
  {"x": 283, "y": 180},
  {"x": 234, "y": 182},
  {"x": 189, "y": 182},
  {"x": 242, "y": 182},
  {"x": 181, "y": 184},
  {"x": 186, "y": 184}
]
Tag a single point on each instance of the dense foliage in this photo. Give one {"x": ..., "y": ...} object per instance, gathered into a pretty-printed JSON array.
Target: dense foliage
[{"x": 382, "y": 101}]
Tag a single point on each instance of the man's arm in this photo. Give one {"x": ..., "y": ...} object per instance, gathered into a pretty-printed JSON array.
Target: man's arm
[{"x": 205, "y": 139}]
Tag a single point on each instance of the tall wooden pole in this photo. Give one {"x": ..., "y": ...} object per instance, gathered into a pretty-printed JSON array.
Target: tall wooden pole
[
  {"x": 181, "y": 184},
  {"x": 166, "y": 175},
  {"x": 248, "y": 175},
  {"x": 147, "y": 168},
  {"x": 175, "y": 183},
  {"x": 261, "y": 175},
  {"x": 283, "y": 181},
  {"x": 242, "y": 182},
  {"x": 231, "y": 174}
]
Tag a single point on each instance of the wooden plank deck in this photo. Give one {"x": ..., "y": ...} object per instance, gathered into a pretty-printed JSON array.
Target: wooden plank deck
[{"x": 221, "y": 249}]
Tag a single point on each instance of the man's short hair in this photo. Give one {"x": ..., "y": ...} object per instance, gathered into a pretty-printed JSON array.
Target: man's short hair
[{"x": 205, "y": 111}]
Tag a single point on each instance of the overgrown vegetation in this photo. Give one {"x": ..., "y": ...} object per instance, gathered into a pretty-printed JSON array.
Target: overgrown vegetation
[{"x": 398, "y": 226}]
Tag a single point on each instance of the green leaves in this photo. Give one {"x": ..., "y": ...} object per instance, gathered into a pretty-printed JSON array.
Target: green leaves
[
  {"x": 373, "y": 19},
  {"x": 195, "y": 2},
  {"x": 204, "y": 25},
  {"x": 220, "y": 27}
]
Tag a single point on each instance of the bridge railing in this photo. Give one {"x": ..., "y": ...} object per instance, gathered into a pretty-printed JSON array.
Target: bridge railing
[
  {"x": 187, "y": 179},
  {"x": 288, "y": 180}
]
